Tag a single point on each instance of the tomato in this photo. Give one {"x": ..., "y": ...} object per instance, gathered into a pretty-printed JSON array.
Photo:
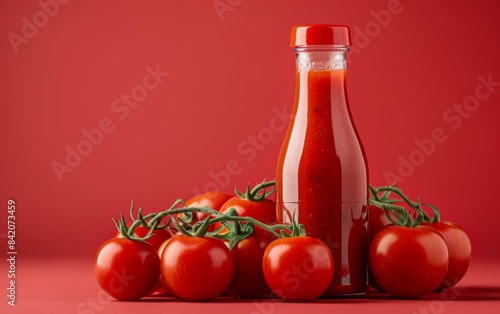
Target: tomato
[
  {"x": 161, "y": 288},
  {"x": 159, "y": 236},
  {"x": 248, "y": 279},
  {"x": 298, "y": 268},
  {"x": 213, "y": 199},
  {"x": 377, "y": 220},
  {"x": 196, "y": 268},
  {"x": 459, "y": 250},
  {"x": 408, "y": 262},
  {"x": 126, "y": 269},
  {"x": 263, "y": 210}
]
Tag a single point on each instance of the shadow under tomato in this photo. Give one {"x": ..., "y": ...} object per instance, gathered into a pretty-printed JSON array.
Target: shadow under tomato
[
  {"x": 458, "y": 293},
  {"x": 476, "y": 293}
]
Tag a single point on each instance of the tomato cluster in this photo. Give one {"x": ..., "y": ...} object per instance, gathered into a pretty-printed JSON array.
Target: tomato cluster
[
  {"x": 217, "y": 243},
  {"x": 409, "y": 258}
]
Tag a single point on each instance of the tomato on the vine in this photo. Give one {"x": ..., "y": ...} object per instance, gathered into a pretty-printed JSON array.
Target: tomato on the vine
[
  {"x": 264, "y": 210},
  {"x": 127, "y": 269},
  {"x": 377, "y": 220},
  {"x": 161, "y": 288},
  {"x": 157, "y": 237},
  {"x": 248, "y": 278},
  {"x": 298, "y": 268},
  {"x": 253, "y": 203},
  {"x": 212, "y": 199},
  {"x": 408, "y": 262},
  {"x": 196, "y": 268},
  {"x": 459, "y": 250}
]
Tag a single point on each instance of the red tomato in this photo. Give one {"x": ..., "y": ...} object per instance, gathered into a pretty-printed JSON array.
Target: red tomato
[
  {"x": 214, "y": 200},
  {"x": 196, "y": 268},
  {"x": 125, "y": 269},
  {"x": 263, "y": 210},
  {"x": 298, "y": 268},
  {"x": 408, "y": 262},
  {"x": 377, "y": 220},
  {"x": 459, "y": 249},
  {"x": 161, "y": 288},
  {"x": 159, "y": 236},
  {"x": 248, "y": 279}
]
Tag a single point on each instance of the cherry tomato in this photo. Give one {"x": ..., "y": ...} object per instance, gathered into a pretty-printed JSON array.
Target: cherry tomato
[
  {"x": 459, "y": 249},
  {"x": 408, "y": 262},
  {"x": 196, "y": 268},
  {"x": 213, "y": 199},
  {"x": 161, "y": 288},
  {"x": 298, "y": 268},
  {"x": 248, "y": 279},
  {"x": 263, "y": 210},
  {"x": 377, "y": 220},
  {"x": 126, "y": 269},
  {"x": 159, "y": 236}
]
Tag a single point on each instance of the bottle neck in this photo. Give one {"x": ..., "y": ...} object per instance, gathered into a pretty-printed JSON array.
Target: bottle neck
[
  {"x": 321, "y": 59},
  {"x": 321, "y": 81}
]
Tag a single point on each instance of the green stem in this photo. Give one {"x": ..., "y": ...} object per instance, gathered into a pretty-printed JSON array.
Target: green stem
[
  {"x": 239, "y": 227},
  {"x": 414, "y": 205},
  {"x": 258, "y": 192}
]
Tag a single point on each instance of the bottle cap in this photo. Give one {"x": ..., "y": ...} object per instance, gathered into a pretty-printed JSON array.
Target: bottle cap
[{"x": 320, "y": 34}]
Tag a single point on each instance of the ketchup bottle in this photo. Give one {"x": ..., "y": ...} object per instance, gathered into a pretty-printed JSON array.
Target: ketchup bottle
[{"x": 321, "y": 178}]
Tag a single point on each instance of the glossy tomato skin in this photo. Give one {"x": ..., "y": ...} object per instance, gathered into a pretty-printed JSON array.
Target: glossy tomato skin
[
  {"x": 196, "y": 268},
  {"x": 161, "y": 288},
  {"x": 248, "y": 278},
  {"x": 408, "y": 262},
  {"x": 459, "y": 250},
  {"x": 159, "y": 236},
  {"x": 212, "y": 199},
  {"x": 125, "y": 269},
  {"x": 377, "y": 220},
  {"x": 263, "y": 210},
  {"x": 298, "y": 268}
]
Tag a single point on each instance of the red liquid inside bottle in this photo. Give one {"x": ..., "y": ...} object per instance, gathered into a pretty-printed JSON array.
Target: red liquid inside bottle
[{"x": 321, "y": 176}]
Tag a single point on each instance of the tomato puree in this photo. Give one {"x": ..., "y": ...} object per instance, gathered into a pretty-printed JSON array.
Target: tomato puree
[{"x": 322, "y": 176}]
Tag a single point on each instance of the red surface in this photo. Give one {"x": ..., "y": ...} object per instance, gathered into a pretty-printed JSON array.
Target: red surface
[
  {"x": 42, "y": 292},
  {"x": 212, "y": 91}
]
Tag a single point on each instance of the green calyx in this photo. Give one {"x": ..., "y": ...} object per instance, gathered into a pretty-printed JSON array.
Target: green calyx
[
  {"x": 258, "y": 192},
  {"x": 398, "y": 215}
]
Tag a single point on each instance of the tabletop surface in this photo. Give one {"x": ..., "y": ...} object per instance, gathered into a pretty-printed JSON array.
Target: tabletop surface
[{"x": 62, "y": 286}]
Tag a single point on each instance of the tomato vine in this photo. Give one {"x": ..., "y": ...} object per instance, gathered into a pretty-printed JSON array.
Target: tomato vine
[{"x": 239, "y": 227}]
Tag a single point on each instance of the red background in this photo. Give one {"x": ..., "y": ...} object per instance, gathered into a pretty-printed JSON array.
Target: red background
[{"x": 229, "y": 73}]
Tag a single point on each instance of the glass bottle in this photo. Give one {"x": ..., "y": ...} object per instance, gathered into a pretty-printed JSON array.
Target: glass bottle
[{"x": 321, "y": 176}]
